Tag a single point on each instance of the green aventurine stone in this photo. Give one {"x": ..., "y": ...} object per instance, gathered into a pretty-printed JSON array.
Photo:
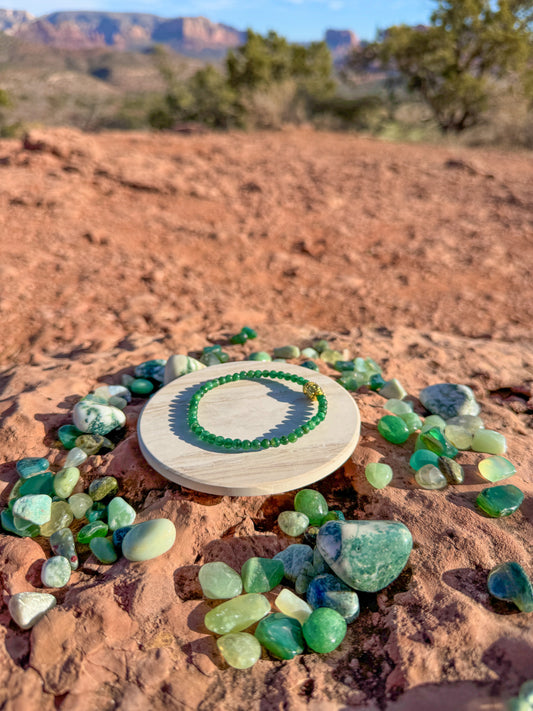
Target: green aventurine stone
[
  {"x": 65, "y": 480},
  {"x": 38, "y": 484},
  {"x": 496, "y": 468},
  {"x": 56, "y": 572},
  {"x": 68, "y": 434},
  {"x": 96, "y": 529},
  {"x": 62, "y": 544},
  {"x": 293, "y": 523},
  {"x": 376, "y": 382},
  {"x": 259, "y": 355},
  {"x": 379, "y": 475},
  {"x": 103, "y": 549},
  {"x": 149, "y": 539},
  {"x": 430, "y": 477},
  {"x": 238, "y": 338},
  {"x": 219, "y": 581},
  {"x": 281, "y": 635},
  {"x": 498, "y": 501},
  {"x": 324, "y": 630},
  {"x": 421, "y": 457},
  {"x": 435, "y": 441},
  {"x": 35, "y": 508},
  {"x": 412, "y": 420},
  {"x": 489, "y": 442},
  {"x": 119, "y": 513},
  {"x": 312, "y": 504},
  {"x": 141, "y": 386},
  {"x": 80, "y": 504},
  {"x": 261, "y": 574},
  {"x": 393, "y": 429},
  {"x": 30, "y": 466},
  {"x": 240, "y": 650},
  {"x": 452, "y": 470},
  {"x": 509, "y": 582},
  {"x": 237, "y": 614},
  {"x": 30, "y": 530},
  {"x": 102, "y": 487},
  {"x": 351, "y": 381},
  {"x": 287, "y": 352},
  {"x": 61, "y": 516}
]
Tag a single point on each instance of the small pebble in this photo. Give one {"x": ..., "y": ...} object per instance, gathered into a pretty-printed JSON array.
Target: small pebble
[
  {"x": 38, "y": 484},
  {"x": 237, "y": 614},
  {"x": 95, "y": 418},
  {"x": 328, "y": 591},
  {"x": 293, "y": 606},
  {"x": 378, "y": 475},
  {"x": 435, "y": 441},
  {"x": 458, "y": 436},
  {"x": 91, "y": 444},
  {"x": 68, "y": 434},
  {"x": 119, "y": 535},
  {"x": 61, "y": 516},
  {"x": 261, "y": 356},
  {"x": 412, "y": 420},
  {"x": 102, "y": 487},
  {"x": 65, "y": 480},
  {"x": 95, "y": 529},
  {"x": 80, "y": 504},
  {"x": 287, "y": 352},
  {"x": 421, "y": 457},
  {"x": 141, "y": 386},
  {"x": 324, "y": 630},
  {"x": 219, "y": 581},
  {"x": 261, "y": 575},
  {"x": 392, "y": 389},
  {"x": 149, "y": 539},
  {"x": 30, "y": 466},
  {"x": 398, "y": 407},
  {"x": 294, "y": 558},
  {"x": 452, "y": 470},
  {"x": 430, "y": 477},
  {"x": 449, "y": 400},
  {"x": 312, "y": 504},
  {"x": 310, "y": 364},
  {"x": 309, "y": 353},
  {"x": 433, "y": 421},
  {"x": 293, "y": 523},
  {"x": 496, "y": 468},
  {"x": 498, "y": 501},
  {"x": 28, "y": 530},
  {"x": 489, "y": 442},
  {"x": 509, "y": 582},
  {"x": 56, "y": 572},
  {"x": 27, "y": 608},
  {"x": 35, "y": 508},
  {"x": 240, "y": 650},
  {"x": 62, "y": 544},
  {"x": 470, "y": 423},
  {"x": 119, "y": 513},
  {"x": 178, "y": 365},
  {"x": 281, "y": 635},
  {"x": 75, "y": 457},
  {"x": 152, "y": 369},
  {"x": 393, "y": 429},
  {"x": 97, "y": 512},
  {"x": 103, "y": 549}
]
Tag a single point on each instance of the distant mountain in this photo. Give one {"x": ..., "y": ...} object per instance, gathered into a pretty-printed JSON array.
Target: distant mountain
[
  {"x": 340, "y": 43},
  {"x": 12, "y": 20}
]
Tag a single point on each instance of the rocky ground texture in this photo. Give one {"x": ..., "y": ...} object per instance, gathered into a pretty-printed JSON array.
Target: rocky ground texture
[{"x": 118, "y": 248}]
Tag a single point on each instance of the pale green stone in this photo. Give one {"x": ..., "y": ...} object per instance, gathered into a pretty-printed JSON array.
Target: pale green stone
[
  {"x": 95, "y": 418},
  {"x": 75, "y": 457},
  {"x": 261, "y": 575},
  {"x": 430, "y": 477},
  {"x": 111, "y": 391},
  {"x": 102, "y": 487},
  {"x": 240, "y": 650},
  {"x": 126, "y": 379},
  {"x": 219, "y": 581},
  {"x": 149, "y": 539},
  {"x": 321, "y": 345},
  {"x": 287, "y": 352},
  {"x": 237, "y": 614},
  {"x": 56, "y": 572},
  {"x": 27, "y": 608},
  {"x": 65, "y": 480},
  {"x": 35, "y": 508},
  {"x": 398, "y": 407},
  {"x": 292, "y": 605},
  {"x": 119, "y": 513},
  {"x": 309, "y": 353},
  {"x": 61, "y": 516},
  {"x": 91, "y": 444},
  {"x": 393, "y": 389},
  {"x": 433, "y": 421},
  {"x": 117, "y": 401},
  {"x": 178, "y": 365},
  {"x": 80, "y": 504},
  {"x": 470, "y": 423},
  {"x": 458, "y": 436},
  {"x": 379, "y": 475},
  {"x": 496, "y": 468},
  {"x": 412, "y": 420},
  {"x": 331, "y": 356},
  {"x": 262, "y": 356},
  {"x": 103, "y": 549},
  {"x": 293, "y": 523},
  {"x": 18, "y": 526},
  {"x": 489, "y": 442}
]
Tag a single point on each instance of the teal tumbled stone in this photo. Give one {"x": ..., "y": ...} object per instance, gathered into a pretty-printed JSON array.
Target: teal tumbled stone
[
  {"x": 102, "y": 487},
  {"x": 378, "y": 474},
  {"x": 62, "y": 544},
  {"x": 35, "y": 508},
  {"x": 38, "y": 484},
  {"x": 293, "y": 523},
  {"x": 260, "y": 355},
  {"x": 56, "y": 572},
  {"x": 509, "y": 582},
  {"x": 119, "y": 513},
  {"x": 498, "y": 501},
  {"x": 65, "y": 480},
  {"x": 30, "y": 530},
  {"x": 312, "y": 504},
  {"x": 68, "y": 435},
  {"x": 261, "y": 574},
  {"x": 96, "y": 529},
  {"x": 281, "y": 635},
  {"x": 324, "y": 630},
  {"x": 219, "y": 581},
  {"x": 103, "y": 549},
  {"x": 421, "y": 457},
  {"x": 30, "y": 466},
  {"x": 97, "y": 512},
  {"x": 376, "y": 382},
  {"x": 435, "y": 441},
  {"x": 393, "y": 429},
  {"x": 141, "y": 386},
  {"x": 327, "y": 590},
  {"x": 149, "y": 539},
  {"x": 310, "y": 364},
  {"x": 294, "y": 558}
]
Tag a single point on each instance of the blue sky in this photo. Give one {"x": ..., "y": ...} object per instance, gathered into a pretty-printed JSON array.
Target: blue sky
[{"x": 299, "y": 20}]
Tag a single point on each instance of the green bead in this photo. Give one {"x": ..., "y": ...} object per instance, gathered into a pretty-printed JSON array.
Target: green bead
[
  {"x": 237, "y": 614},
  {"x": 56, "y": 572},
  {"x": 435, "y": 441},
  {"x": 246, "y": 444},
  {"x": 509, "y": 582},
  {"x": 489, "y": 442},
  {"x": 238, "y": 338},
  {"x": 102, "y": 487},
  {"x": 299, "y": 432},
  {"x": 38, "y": 484},
  {"x": 412, "y": 420},
  {"x": 281, "y": 635},
  {"x": 30, "y": 466},
  {"x": 378, "y": 475},
  {"x": 398, "y": 407},
  {"x": 67, "y": 435},
  {"x": 96, "y": 529},
  {"x": 324, "y": 630},
  {"x": 498, "y": 501},
  {"x": 80, "y": 504},
  {"x": 274, "y": 442},
  {"x": 256, "y": 444},
  {"x": 265, "y": 443},
  {"x": 261, "y": 574},
  {"x": 260, "y": 355},
  {"x": 293, "y": 523},
  {"x": 119, "y": 513},
  {"x": 141, "y": 386},
  {"x": 65, "y": 480},
  {"x": 393, "y": 429},
  {"x": 240, "y": 650},
  {"x": 219, "y": 581},
  {"x": 312, "y": 504},
  {"x": 228, "y": 443},
  {"x": 292, "y": 437}
]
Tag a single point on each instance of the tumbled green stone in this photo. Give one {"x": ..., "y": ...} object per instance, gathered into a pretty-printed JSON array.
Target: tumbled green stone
[
  {"x": 261, "y": 574},
  {"x": 343, "y": 365},
  {"x": 153, "y": 369},
  {"x": 103, "y": 549},
  {"x": 412, "y": 420},
  {"x": 61, "y": 516},
  {"x": 56, "y": 572},
  {"x": 326, "y": 590},
  {"x": 250, "y": 332},
  {"x": 430, "y": 477},
  {"x": 80, "y": 504},
  {"x": 62, "y": 544},
  {"x": 393, "y": 429},
  {"x": 14, "y": 494},
  {"x": 30, "y": 466},
  {"x": 496, "y": 468},
  {"x": 219, "y": 581},
  {"x": 27, "y": 608},
  {"x": 421, "y": 457},
  {"x": 378, "y": 475},
  {"x": 75, "y": 457},
  {"x": 309, "y": 353},
  {"x": 376, "y": 382},
  {"x": 92, "y": 443},
  {"x": 458, "y": 436},
  {"x": 102, "y": 487},
  {"x": 65, "y": 480},
  {"x": 331, "y": 356},
  {"x": 435, "y": 441},
  {"x": 68, "y": 435},
  {"x": 449, "y": 400},
  {"x": 351, "y": 382},
  {"x": 294, "y": 558},
  {"x": 398, "y": 407},
  {"x": 237, "y": 614},
  {"x": 333, "y": 516},
  {"x": 117, "y": 401},
  {"x": 470, "y": 423},
  {"x": 38, "y": 484},
  {"x": 8, "y": 524},
  {"x": 433, "y": 421},
  {"x": 149, "y": 539},
  {"x": 293, "y": 606},
  {"x": 119, "y": 513},
  {"x": 141, "y": 386},
  {"x": 260, "y": 355},
  {"x": 392, "y": 389},
  {"x": 452, "y": 470},
  {"x": 293, "y": 523},
  {"x": 498, "y": 501},
  {"x": 309, "y": 364},
  {"x": 489, "y": 442},
  {"x": 35, "y": 508},
  {"x": 287, "y": 352},
  {"x": 312, "y": 504},
  {"x": 238, "y": 338},
  {"x": 96, "y": 529},
  {"x": 321, "y": 345},
  {"x": 97, "y": 418},
  {"x": 509, "y": 582},
  {"x": 97, "y": 512},
  {"x": 324, "y": 630},
  {"x": 240, "y": 650},
  {"x": 281, "y": 635}
]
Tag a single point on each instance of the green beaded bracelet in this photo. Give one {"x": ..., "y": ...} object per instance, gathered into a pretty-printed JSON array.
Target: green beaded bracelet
[{"x": 311, "y": 389}]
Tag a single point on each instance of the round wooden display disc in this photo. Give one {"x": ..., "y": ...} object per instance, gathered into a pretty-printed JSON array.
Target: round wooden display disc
[{"x": 247, "y": 409}]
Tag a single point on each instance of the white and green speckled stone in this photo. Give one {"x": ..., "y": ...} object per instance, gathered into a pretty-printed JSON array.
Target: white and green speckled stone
[
  {"x": 35, "y": 508},
  {"x": 97, "y": 419},
  {"x": 178, "y": 365},
  {"x": 27, "y": 608}
]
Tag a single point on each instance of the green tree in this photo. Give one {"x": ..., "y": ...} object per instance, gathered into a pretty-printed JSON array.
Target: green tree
[{"x": 213, "y": 100}]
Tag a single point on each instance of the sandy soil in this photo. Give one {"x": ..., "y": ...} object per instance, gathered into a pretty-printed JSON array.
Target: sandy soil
[{"x": 117, "y": 248}]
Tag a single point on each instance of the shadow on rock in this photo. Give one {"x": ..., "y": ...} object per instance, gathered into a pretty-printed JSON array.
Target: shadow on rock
[{"x": 473, "y": 583}]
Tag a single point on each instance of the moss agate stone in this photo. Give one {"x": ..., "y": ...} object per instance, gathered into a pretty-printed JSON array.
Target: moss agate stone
[
  {"x": 75, "y": 457},
  {"x": 102, "y": 487},
  {"x": 421, "y": 457},
  {"x": 430, "y": 477},
  {"x": 119, "y": 513},
  {"x": 496, "y": 468},
  {"x": 498, "y": 501},
  {"x": 393, "y": 429},
  {"x": 324, "y": 630},
  {"x": 62, "y": 544},
  {"x": 240, "y": 650},
  {"x": 56, "y": 572},
  {"x": 328, "y": 591},
  {"x": 96, "y": 418},
  {"x": 509, "y": 582},
  {"x": 489, "y": 442},
  {"x": 149, "y": 539},
  {"x": 27, "y": 608},
  {"x": 237, "y": 614},
  {"x": 449, "y": 400},
  {"x": 35, "y": 508},
  {"x": 68, "y": 434},
  {"x": 30, "y": 466},
  {"x": 366, "y": 555},
  {"x": 38, "y": 484},
  {"x": 261, "y": 574},
  {"x": 312, "y": 504},
  {"x": 294, "y": 558},
  {"x": 293, "y": 523},
  {"x": 80, "y": 504},
  {"x": 65, "y": 480},
  {"x": 378, "y": 475},
  {"x": 103, "y": 549},
  {"x": 293, "y": 606},
  {"x": 92, "y": 530},
  {"x": 281, "y": 635},
  {"x": 153, "y": 369},
  {"x": 435, "y": 441},
  {"x": 219, "y": 581},
  {"x": 452, "y": 470}
]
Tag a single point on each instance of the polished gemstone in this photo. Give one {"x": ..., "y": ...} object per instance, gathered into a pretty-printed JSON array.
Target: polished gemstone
[
  {"x": 153, "y": 369},
  {"x": 398, "y": 407},
  {"x": 435, "y": 441},
  {"x": 119, "y": 535},
  {"x": 97, "y": 512},
  {"x": 433, "y": 421},
  {"x": 141, "y": 386},
  {"x": 178, "y": 365},
  {"x": 293, "y": 606},
  {"x": 35, "y": 508},
  {"x": 80, "y": 504},
  {"x": 261, "y": 574},
  {"x": 95, "y": 418},
  {"x": 108, "y": 392},
  {"x": 75, "y": 457},
  {"x": 95, "y": 529},
  {"x": 68, "y": 435},
  {"x": 470, "y": 423},
  {"x": 452, "y": 470},
  {"x": 333, "y": 516},
  {"x": 62, "y": 544},
  {"x": 237, "y": 614},
  {"x": 392, "y": 389},
  {"x": 30, "y": 466},
  {"x": 293, "y": 523},
  {"x": 331, "y": 356},
  {"x": 430, "y": 477},
  {"x": 281, "y": 635},
  {"x": 328, "y": 591},
  {"x": 412, "y": 420},
  {"x": 149, "y": 539},
  {"x": 324, "y": 630},
  {"x": 509, "y": 582},
  {"x": 219, "y": 581},
  {"x": 310, "y": 364},
  {"x": 449, "y": 400},
  {"x": 294, "y": 558},
  {"x": 27, "y": 530},
  {"x": 498, "y": 501},
  {"x": 312, "y": 504},
  {"x": 496, "y": 468},
  {"x": 91, "y": 444},
  {"x": 56, "y": 572},
  {"x": 119, "y": 513},
  {"x": 393, "y": 429},
  {"x": 287, "y": 352},
  {"x": 102, "y": 487},
  {"x": 378, "y": 474},
  {"x": 38, "y": 484},
  {"x": 240, "y": 650},
  {"x": 489, "y": 442},
  {"x": 321, "y": 345},
  {"x": 103, "y": 549},
  {"x": 261, "y": 356},
  {"x": 65, "y": 480},
  {"x": 309, "y": 353},
  {"x": 27, "y": 608},
  {"x": 421, "y": 457},
  {"x": 376, "y": 382},
  {"x": 458, "y": 436}
]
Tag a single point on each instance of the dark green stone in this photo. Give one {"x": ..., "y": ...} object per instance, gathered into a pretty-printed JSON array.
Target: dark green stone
[
  {"x": 509, "y": 582},
  {"x": 67, "y": 435},
  {"x": 249, "y": 332},
  {"x": 8, "y": 524},
  {"x": 309, "y": 364},
  {"x": 92, "y": 530},
  {"x": 103, "y": 549},
  {"x": 102, "y": 487},
  {"x": 97, "y": 512},
  {"x": 141, "y": 386},
  {"x": 239, "y": 338},
  {"x": 376, "y": 382},
  {"x": 498, "y": 501},
  {"x": 422, "y": 457},
  {"x": 436, "y": 442},
  {"x": 324, "y": 630},
  {"x": 393, "y": 429},
  {"x": 312, "y": 504},
  {"x": 261, "y": 574},
  {"x": 281, "y": 635},
  {"x": 38, "y": 484}
]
